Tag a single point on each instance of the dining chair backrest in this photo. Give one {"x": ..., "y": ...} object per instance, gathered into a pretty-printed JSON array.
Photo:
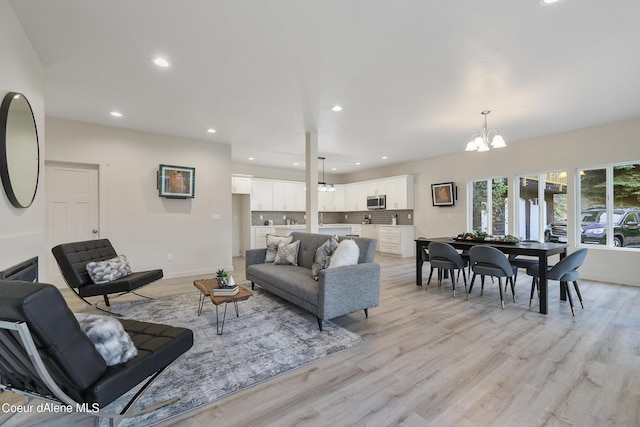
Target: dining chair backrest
[
  {"x": 567, "y": 266},
  {"x": 446, "y": 252},
  {"x": 490, "y": 256}
]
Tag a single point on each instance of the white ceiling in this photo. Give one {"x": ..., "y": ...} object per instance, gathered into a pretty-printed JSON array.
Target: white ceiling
[{"x": 411, "y": 75}]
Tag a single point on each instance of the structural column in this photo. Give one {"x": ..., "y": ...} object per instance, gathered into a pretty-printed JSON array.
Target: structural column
[{"x": 311, "y": 179}]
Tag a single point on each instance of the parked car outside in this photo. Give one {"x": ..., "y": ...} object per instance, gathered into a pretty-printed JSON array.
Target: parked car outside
[{"x": 593, "y": 226}]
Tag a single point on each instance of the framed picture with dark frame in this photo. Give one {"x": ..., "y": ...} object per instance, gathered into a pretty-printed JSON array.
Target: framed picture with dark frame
[
  {"x": 443, "y": 194},
  {"x": 176, "y": 182}
]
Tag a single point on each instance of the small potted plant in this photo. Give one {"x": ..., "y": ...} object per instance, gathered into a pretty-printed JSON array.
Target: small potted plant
[{"x": 222, "y": 275}]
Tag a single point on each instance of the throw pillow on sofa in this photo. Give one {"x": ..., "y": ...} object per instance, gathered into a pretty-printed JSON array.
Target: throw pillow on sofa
[
  {"x": 108, "y": 270},
  {"x": 272, "y": 245},
  {"x": 347, "y": 253},
  {"x": 323, "y": 256},
  {"x": 287, "y": 254}
]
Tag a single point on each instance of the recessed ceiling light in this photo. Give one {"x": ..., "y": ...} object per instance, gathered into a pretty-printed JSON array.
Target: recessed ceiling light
[
  {"x": 211, "y": 130},
  {"x": 384, "y": 157},
  {"x": 334, "y": 169},
  {"x": 116, "y": 114},
  {"x": 336, "y": 108},
  {"x": 251, "y": 158},
  {"x": 357, "y": 163},
  {"x": 296, "y": 164},
  {"x": 161, "y": 62},
  {"x": 546, "y": 2}
]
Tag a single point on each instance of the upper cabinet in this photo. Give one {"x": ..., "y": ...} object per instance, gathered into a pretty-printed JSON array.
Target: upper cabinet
[
  {"x": 399, "y": 190},
  {"x": 277, "y": 195},
  {"x": 288, "y": 196},
  {"x": 377, "y": 187},
  {"x": 240, "y": 185},
  {"x": 355, "y": 196},
  {"x": 261, "y": 195},
  {"x": 331, "y": 201}
]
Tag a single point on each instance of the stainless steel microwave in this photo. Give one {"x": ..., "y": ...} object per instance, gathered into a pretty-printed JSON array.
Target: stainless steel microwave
[{"x": 377, "y": 202}]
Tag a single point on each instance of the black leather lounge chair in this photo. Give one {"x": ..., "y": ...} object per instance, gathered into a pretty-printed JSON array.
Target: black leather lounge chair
[
  {"x": 45, "y": 355},
  {"x": 72, "y": 258}
]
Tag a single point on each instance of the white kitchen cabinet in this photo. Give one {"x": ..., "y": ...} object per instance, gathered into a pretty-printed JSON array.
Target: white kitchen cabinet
[
  {"x": 355, "y": 197},
  {"x": 376, "y": 187},
  {"x": 259, "y": 236},
  {"x": 396, "y": 240},
  {"x": 356, "y": 230},
  {"x": 301, "y": 196},
  {"x": 285, "y": 196},
  {"x": 400, "y": 193},
  {"x": 326, "y": 201},
  {"x": 332, "y": 201},
  {"x": 240, "y": 185},
  {"x": 261, "y": 195},
  {"x": 338, "y": 198}
]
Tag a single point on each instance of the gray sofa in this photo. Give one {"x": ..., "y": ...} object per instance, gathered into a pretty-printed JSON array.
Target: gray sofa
[{"x": 338, "y": 291}]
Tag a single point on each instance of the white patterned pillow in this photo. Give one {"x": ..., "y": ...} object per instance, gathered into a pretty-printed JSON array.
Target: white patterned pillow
[
  {"x": 347, "y": 253},
  {"x": 272, "y": 245},
  {"x": 287, "y": 254},
  {"x": 108, "y": 336},
  {"x": 323, "y": 256},
  {"x": 108, "y": 270}
]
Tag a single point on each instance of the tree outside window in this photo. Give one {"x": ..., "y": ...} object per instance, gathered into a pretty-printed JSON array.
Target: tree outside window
[{"x": 482, "y": 216}]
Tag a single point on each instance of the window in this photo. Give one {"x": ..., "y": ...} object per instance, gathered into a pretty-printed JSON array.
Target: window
[
  {"x": 489, "y": 208},
  {"x": 610, "y": 206},
  {"x": 542, "y": 207}
]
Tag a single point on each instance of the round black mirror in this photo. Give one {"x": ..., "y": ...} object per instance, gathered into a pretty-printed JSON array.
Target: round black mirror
[{"x": 19, "y": 150}]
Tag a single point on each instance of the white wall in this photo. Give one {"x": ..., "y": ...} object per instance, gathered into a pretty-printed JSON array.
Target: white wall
[
  {"x": 140, "y": 224},
  {"x": 21, "y": 230},
  {"x": 612, "y": 143}
]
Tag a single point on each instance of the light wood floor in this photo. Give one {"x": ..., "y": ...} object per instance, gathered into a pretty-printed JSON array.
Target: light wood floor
[{"x": 432, "y": 360}]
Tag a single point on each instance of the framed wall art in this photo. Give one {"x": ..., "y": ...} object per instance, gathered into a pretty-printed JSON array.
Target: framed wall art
[
  {"x": 176, "y": 182},
  {"x": 443, "y": 194}
]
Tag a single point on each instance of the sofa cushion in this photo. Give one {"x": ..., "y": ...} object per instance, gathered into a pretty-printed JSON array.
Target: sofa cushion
[
  {"x": 323, "y": 255},
  {"x": 108, "y": 270},
  {"x": 347, "y": 253},
  {"x": 272, "y": 245},
  {"x": 287, "y": 253},
  {"x": 287, "y": 281}
]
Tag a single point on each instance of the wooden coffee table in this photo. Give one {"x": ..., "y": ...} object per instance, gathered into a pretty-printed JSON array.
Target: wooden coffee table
[{"x": 205, "y": 286}]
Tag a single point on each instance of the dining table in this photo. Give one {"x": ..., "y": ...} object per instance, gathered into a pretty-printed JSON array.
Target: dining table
[{"x": 541, "y": 250}]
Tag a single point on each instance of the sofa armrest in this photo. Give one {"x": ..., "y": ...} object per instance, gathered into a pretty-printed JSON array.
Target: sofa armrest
[
  {"x": 255, "y": 256},
  {"x": 347, "y": 289}
]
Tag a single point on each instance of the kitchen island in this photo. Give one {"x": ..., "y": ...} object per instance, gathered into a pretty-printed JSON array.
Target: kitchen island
[{"x": 338, "y": 229}]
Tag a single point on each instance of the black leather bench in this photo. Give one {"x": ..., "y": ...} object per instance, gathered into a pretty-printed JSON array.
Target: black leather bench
[
  {"x": 45, "y": 354},
  {"x": 72, "y": 258}
]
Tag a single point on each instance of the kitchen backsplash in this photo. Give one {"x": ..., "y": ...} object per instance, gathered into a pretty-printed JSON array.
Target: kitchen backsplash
[{"x": 382, "y": 216}]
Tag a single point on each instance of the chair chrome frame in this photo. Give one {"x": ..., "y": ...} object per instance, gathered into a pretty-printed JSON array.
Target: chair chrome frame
[{"x": 21, "y": 351}]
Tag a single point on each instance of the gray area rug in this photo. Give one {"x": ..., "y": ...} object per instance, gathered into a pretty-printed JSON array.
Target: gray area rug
[{"x": 269, "y": 338}]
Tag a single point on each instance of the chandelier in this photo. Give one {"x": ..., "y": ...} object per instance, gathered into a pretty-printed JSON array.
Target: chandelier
[
  {"x": 481, "y": 140},
  {"x": 322, "y": 185}
]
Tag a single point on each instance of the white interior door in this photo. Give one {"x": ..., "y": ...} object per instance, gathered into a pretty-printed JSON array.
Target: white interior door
[{"x": 71, "y": 208}]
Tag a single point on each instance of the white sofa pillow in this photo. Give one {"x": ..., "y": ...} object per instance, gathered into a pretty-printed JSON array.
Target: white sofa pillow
[{"x": 347, "y": 253}]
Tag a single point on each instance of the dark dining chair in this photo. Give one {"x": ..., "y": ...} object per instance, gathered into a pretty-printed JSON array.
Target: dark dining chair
[
  {"x": 564, "y": 271},
  {"x": 521, "y": 261},
  {"x": 489, "y": 261},
  {"x": 445, "y": 258}
]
